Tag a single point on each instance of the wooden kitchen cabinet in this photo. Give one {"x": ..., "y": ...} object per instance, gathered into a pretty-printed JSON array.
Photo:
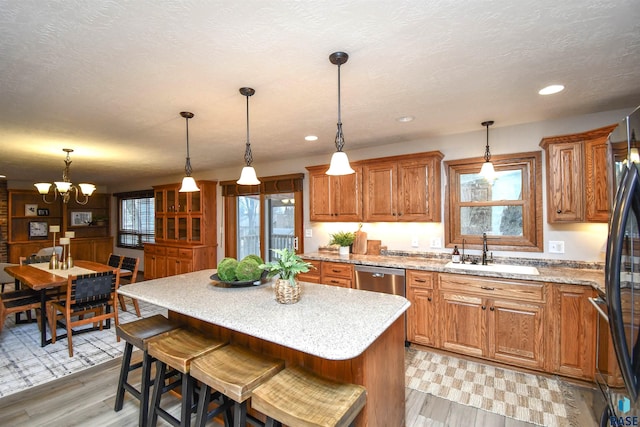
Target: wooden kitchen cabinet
[
  {"x": 422, "y": 327},
  {"x": 337, "y": 274},
  {"x": 313, "y": 275},
  {"x": 492, "y": 318},
  {"x": 577, "y": 176},
  {"x": 162, "y": 260},
  {"x": 403, "y": 188},
  {"x": 574, "y": 324},
  {"x": 335, "y": 198}
]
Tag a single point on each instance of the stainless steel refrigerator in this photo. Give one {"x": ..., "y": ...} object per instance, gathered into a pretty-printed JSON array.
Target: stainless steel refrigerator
[{"x": 620, "y": 308}]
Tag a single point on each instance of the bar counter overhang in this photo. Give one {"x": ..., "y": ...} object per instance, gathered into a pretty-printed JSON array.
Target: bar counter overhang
[{"x": 345, "y": 334}]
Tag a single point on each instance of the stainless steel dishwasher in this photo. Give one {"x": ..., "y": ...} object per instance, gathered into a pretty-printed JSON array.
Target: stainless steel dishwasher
[{"x": 382, "y": 279}]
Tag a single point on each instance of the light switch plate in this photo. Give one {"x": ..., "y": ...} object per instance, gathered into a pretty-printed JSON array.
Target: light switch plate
[
  {"x": 414, "y": 242},
  {"x": 436, "y": 243},
  {"x": 308, "y": 232},
  {"x": 556, "y": 246}
]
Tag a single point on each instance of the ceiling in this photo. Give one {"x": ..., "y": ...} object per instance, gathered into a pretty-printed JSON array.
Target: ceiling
[{"x": 109, "y": 78}]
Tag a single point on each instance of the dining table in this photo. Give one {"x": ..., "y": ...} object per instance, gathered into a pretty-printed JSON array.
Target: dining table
[{"x": 40, "y": 278}]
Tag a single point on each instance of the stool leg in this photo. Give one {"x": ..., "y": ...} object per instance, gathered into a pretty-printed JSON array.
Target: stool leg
[
  {"x": 240, "y": 414},
  {"x": 272, "y": 423},
  {"x": 187, "y": 399},
  {"x": 158, "y": 383},
  {"x": 124, "y": 375},
  {"x": 145, "y": 387},
  {"x": 203, "y": 403}
]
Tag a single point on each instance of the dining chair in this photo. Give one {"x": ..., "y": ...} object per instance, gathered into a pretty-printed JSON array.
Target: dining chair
[
  {"x": 16, "y": 302},
  {"x": 47, "y": 252},
  {"x": 89, "y": 293},
  {"x": 5, "y": 278},
  {"x": 129, "y": 273}
]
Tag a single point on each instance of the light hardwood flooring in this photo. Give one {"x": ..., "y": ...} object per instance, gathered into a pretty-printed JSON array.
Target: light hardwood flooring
[{"x": 87, "y": 399}]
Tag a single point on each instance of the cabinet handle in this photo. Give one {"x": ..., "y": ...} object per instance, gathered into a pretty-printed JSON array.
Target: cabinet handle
[
  {"x": 491, "y": 308},
  {"x": 400, "y": 214},
  {"x": 335, "y": 271},
  {"x": 429, "y": 299},
  {"x": 487, "y": 288},
  {"x": 420, "y": 280},
  {"x": 394, "y": 214},
  {"x": 484, "y": 307},
  {"x": 333, "y": 281},
  {"x": 559, "y": 211}
]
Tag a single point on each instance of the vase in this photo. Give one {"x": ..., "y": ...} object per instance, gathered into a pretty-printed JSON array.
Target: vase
[
  {"x": 343, "y": 251},
  {"x": 285, "y": 293}
]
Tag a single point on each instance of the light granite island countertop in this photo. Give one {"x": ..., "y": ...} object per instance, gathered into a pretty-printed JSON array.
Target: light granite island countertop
[{"x": 345, "y": 334}]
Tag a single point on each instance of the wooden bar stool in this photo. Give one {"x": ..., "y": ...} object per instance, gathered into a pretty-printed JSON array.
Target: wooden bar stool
[
  {"x": 235, "y": 372},
  {"x": 138, "y": 334},
  {"x": 176, "y": 350},
  {"x": 298, "y": 398}
]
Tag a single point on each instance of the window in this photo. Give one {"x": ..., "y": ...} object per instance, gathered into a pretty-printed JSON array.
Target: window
[
  {"x": 135, "y": 219},
  {"x": 509, "y": 209},
  {"x": 265, "y": 217}
]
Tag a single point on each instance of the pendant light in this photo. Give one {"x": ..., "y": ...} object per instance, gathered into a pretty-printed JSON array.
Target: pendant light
[
  {"x": 188, "y": 183},
  {"x": 487, "y": 170},
  {"x": 248, "y": 175},
  {"x": 339, "y": 161}
]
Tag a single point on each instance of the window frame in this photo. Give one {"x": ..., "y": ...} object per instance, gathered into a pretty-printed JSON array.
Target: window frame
[
  {"x": 532, "y": 227},
  {"x": 131, "y": 195}
]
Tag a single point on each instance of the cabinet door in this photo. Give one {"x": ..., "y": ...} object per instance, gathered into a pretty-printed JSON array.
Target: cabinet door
[
  {"x": 347, "y": 196},
  {"x": 463, "y": 323},
  {"x": 516, "y": 333},
  {"x": 565, "y": 194},
  {"x": 596, "y": 191},
  {"x": 421, "y": 326},
  {"x": 149, "y": 265},
  {"x": 380, "y": 192},
  {"x": 576, "y": 331},
  {"x": 415, "y": 184},
  {"x": 320, "y": 200}
]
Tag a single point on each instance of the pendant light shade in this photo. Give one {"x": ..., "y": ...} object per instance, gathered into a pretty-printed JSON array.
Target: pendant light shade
[
  {"x": 248, "y": 175},
  {"x": 339, "y": 161},
  {"x": 487, "y": 171},
  {"x": 188, "y": 183}
]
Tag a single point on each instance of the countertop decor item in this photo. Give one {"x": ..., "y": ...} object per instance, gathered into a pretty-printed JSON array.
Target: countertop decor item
[
  {"x": 64, "y": 188},
  {"x": 360, "y": 241},
  {"x": 287, "y": 266},
  {"x": 344, "y": 239}
]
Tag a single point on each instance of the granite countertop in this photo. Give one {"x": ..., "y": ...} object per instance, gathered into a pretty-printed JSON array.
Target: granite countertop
[
  {"x": 330, "y": 322},
  {"x": 548, "y": 273}
]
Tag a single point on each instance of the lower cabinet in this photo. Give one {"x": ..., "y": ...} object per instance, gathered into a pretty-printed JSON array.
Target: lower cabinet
[
  {"x": 422, "y": 326},
  {"x": 95, "y": 249},
  {"x": 313, "y": 275},
  {"x": 169, "y": 260},
  {"x": 497, "y": 319},
  {"x": 337, "y": 274}
]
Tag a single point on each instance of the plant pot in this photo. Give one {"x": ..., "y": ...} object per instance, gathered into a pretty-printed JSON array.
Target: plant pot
[
  {"x": 285, "y": 293},
  {"x": 344, "y": 250}
]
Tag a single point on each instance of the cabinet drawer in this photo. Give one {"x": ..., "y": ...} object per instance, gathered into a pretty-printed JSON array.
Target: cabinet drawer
[
  {"x": 337, "y": 269},
  {"x": 185, "y": 253},
  {"x": 172, "y": 252},
  {"x": 420, "y": 279},
  {"x": 155, "y": 250},
  {"x": 493, "y": 286},
  {"x": 337, "y": 281}
]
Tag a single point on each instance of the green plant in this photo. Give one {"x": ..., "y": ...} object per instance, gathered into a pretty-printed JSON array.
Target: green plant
[
  {"x": 287, "y": 266},
  {"x": 342, "y": 238}
]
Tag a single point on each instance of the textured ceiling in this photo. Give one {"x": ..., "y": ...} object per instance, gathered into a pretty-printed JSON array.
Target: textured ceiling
[{"x": 109, "y": 78}]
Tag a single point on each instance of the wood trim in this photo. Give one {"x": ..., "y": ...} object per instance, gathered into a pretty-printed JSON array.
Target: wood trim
[
  {"x": 230, "y": 222},
  {"x": 578, "y": 137}
]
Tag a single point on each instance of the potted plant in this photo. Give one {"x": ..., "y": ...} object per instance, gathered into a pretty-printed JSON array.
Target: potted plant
[
  {"x": 344, "y": 239},
  {"x": 286, "y": 267}
]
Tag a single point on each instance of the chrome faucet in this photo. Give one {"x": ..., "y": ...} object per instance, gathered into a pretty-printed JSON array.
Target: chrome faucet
[
  {"x": 484, "y": 248},
  {"x": 463, "y": 242}
]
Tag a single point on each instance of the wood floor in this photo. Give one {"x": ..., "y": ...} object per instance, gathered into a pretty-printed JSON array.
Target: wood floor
[{"x": 87, "y": 399}]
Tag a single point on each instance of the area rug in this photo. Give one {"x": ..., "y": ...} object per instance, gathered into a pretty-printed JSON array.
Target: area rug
[
  {"x": 24, "y": 364},
  {"x": 531, "y": 398}
]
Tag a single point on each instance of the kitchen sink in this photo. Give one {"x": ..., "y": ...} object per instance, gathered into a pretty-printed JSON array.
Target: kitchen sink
[{"x": 497, "y": 268}]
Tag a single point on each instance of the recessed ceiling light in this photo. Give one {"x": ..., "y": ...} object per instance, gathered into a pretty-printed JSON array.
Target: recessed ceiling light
[
  {"x": 310, "y": 138},
  {"x": 550, "y": 90},
  {"x": 405, "y": 119}
]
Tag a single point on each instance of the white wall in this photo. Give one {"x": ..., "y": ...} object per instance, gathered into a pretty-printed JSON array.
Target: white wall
[{"x": 583, "y": 242}]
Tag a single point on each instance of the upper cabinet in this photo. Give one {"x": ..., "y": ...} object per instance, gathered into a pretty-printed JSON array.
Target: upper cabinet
[
  {"x": 184, "y": 217},
  {"x": 577, "y": 176},
  {"x": 399, "y": 188},
  {"x": 335, "y": 198},
  {"x": 403, "y": 188}
]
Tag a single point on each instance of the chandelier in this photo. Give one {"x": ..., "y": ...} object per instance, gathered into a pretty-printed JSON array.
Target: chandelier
[{"x": 64, "y": 188}]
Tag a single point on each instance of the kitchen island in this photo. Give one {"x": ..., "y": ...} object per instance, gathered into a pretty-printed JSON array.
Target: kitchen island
[{"x": 344, "y": 334}]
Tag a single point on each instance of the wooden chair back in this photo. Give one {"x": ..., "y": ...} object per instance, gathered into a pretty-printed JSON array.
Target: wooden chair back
[
  {"x": 114, "y": 260},
  {"x": 130, "y": 264}
]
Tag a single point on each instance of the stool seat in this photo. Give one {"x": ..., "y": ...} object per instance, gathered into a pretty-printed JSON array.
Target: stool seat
[
  {"x": 235, "y": 371},
  {"x": 298, "y": 398},
  {"x": 179, "y": 347},
  {"x": 139, "y": 331}
]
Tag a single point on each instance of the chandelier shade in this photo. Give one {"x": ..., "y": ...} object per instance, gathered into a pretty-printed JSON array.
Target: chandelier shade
[
  {"x": 248, "y": 175},
  {"x": 188, "y": 183},
  {"x": 339, "y": 161},
  {"x": 65, "y": 188}
]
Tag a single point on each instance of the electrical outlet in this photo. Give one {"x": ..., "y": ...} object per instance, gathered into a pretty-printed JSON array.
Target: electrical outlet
[
  {"x": 414, "y": 242},
  {"x": 436, "y": 243},
  {"x": 308, "y": 232},
  {"x": 556, "y": 247}
]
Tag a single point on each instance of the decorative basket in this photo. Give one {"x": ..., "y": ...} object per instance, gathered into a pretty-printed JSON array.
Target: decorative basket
[{"x": 285, "y": 293}]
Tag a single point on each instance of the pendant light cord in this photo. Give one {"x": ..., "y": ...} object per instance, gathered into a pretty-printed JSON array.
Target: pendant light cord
[
  {"x": 187, "y": 165},
  {"x": 487, "y": 153},
  {"x": 339, "y": 135},
  {"x": 248, "y": 157}
]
